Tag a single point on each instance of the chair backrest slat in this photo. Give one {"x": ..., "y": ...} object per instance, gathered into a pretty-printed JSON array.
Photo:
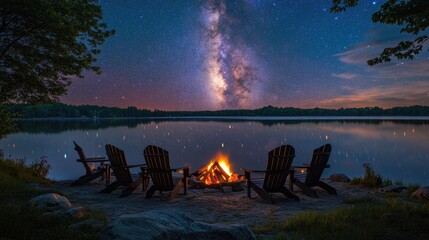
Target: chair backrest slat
[
  {"x": 82, "y": 158},
  {"x": 279, "y": 158},
  {"x": 118, "y": 162},
  {"x": 318, "y": 162},
  {"x": 157, "y": 161}
]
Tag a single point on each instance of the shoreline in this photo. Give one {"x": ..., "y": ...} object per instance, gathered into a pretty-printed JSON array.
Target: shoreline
[{"x": 239, "y": 118}]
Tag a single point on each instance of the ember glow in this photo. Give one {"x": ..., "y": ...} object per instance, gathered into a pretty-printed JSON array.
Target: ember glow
[{"x": 219, "y": 170}]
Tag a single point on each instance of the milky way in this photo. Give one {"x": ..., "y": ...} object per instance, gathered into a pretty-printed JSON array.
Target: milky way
[
  {"x": 231, "y": 72},
  {"x": 235, "y": 54}
]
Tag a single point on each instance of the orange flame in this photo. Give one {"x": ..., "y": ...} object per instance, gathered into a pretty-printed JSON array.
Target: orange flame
[{"x": 215, "y": 174}]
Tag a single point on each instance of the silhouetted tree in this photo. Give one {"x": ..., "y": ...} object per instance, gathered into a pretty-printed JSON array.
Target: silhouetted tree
[{"x": 43, "y": 43}]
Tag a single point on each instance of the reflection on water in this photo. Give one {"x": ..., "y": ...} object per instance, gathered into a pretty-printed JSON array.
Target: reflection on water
[{"x": 395, "y": 148}]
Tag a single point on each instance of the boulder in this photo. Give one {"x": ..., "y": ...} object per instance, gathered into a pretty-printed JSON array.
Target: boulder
[
  {"x": 339, "y": 177},
  {"x": 421, "y": 193},
  {"x": 50, "y": 202},
  {"x": 163, "y": 224}
]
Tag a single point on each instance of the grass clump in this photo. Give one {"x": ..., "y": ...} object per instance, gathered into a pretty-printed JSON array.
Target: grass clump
[
  {"x": 371, "y": 178},
  {"x": 388, "y": 219},
  {"x": 29, "y": 223}
]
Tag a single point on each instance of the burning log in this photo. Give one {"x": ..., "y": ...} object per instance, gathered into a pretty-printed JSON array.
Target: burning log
[{"x": 213, "y": 175}]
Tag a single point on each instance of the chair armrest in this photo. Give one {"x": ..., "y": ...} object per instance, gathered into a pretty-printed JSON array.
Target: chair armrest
[
  {"x": 308, "y": 167},
  {"x": 95, "y": 159},
  {"x": 265, "y": 171},
  {"x": 180, "y": 168},
  {"x": 136, "y": 165},
  {"x": 253, "y": 171}
]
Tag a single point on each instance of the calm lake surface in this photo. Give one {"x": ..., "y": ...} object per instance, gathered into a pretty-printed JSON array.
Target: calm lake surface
[{"x": 396, "y": 148}]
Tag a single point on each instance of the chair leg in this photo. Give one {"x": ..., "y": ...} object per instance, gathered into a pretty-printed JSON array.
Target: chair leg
[
  {"x": 176, "y": 190},
  {"x": 327, "y": 188},
  {"x": 150, "y": 192},
  {"x": 247, "y": 176},
  {"x": 289, "y": 194},
  {"x": 127, "y": 191},
  {"x": 291, "y": 179},
  {"x": 264, "y": 195},
  {"x": 86, "y": 178},
  {"x": 310, "y": 192},
  {"x": 110, "y": 188}
]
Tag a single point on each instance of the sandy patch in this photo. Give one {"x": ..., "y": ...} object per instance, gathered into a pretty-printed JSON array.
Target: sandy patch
[{"x": 211, "y": 206}]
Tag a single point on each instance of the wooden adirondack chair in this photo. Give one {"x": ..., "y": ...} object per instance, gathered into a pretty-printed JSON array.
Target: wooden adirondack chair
[
  {"x": 91, "y": 172},
  {"x": 158, "y": 167},
  {"x": 121, "y": 169},
  {"x": 278, "y": 168},
  {"x": 314, "y": 172}
]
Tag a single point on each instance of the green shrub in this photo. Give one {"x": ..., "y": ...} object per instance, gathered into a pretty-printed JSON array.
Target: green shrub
[
  {"x": 370, "y": 179},
  {"x": 388, "y": 219},
  {"x": 40, "y": 167},
  {"x": 29, "y": 223}
]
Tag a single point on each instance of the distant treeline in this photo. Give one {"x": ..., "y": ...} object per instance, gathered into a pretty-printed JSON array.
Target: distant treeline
[{"x": 60, "y": 110}]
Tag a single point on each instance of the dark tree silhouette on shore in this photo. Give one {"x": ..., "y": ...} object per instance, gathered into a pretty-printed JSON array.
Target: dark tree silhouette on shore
[{"x": 43, "y": 43}]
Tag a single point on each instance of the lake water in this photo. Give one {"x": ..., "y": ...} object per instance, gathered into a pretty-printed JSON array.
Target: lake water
[{"x": 398, "y": 149}]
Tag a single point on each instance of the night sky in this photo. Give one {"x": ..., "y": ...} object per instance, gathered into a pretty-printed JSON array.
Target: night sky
[{"x": 209, "y": 55}]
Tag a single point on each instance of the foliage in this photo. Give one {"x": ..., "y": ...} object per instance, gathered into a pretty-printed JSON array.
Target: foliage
[
  {"x": 387, "y": 219},
  {"x": 411, "y": 15},
  {"x": 40, "y": 167},
  {"x": 59, "y": 110},
  {"x": 45, "y": 42},
  {"x": 26, "y": 174},
  {"x": 28, "y": 223},
  {"x": 6, "y": 122},
  {"x": 370, "y": 179}
]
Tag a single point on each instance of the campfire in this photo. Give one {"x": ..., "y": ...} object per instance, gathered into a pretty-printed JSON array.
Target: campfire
[{"x": 216, "y": 174}]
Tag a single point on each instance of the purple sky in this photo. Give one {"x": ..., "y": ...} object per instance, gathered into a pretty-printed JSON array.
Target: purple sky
[{"x": 208, "y": 55}]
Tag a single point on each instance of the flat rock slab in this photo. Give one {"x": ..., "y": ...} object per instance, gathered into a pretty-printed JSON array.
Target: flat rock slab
[{"x": 162, "y": 224}]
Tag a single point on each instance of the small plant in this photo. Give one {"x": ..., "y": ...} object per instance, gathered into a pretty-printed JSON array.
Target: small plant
[
  {"x": 379, "y": 219},
  {"x": 370, "y": 179},
  {"x": 40, "y": 167}
]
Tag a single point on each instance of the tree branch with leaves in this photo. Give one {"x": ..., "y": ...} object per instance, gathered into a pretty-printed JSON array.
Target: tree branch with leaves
[
  {"x": 411, "y": 15},
  {"x": 43, "y": 43}
]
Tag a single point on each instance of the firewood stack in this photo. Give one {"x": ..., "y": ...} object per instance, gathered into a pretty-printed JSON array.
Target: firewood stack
[{"x": 214, "y": 176}]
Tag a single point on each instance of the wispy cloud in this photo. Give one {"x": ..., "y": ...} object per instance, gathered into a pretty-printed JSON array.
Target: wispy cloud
[
  {"x": 397, "y": 83},
  {"x": 345, "y": 75},
  {"x": 404, "y": 94}
]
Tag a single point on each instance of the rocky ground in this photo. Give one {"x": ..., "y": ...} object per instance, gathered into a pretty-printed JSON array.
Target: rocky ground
[{"x": 207, "y": 206}]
